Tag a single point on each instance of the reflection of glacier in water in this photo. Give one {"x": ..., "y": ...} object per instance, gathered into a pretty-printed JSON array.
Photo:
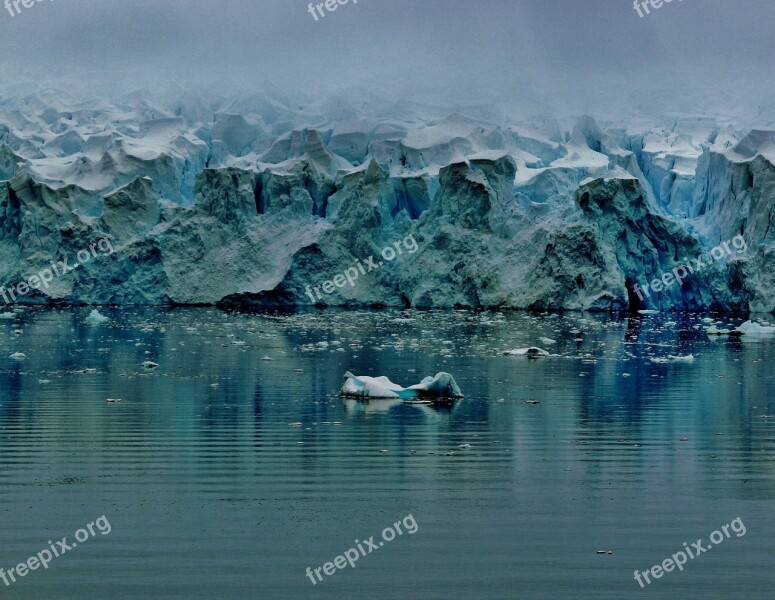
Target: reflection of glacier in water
[{"x": 219, "y": 455}]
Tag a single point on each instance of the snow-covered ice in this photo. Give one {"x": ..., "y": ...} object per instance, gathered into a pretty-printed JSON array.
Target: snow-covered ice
[{"x": 441, "y": 386}]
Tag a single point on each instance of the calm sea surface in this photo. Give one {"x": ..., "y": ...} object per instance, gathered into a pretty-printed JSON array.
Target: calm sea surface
[{"x": 233, "y": 466}]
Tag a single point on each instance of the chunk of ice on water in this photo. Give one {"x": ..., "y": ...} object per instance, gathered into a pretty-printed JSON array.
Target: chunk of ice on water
[
  {"x": 95, "y": 318},
  {"x": 751, "y": 328},
  {"x": 529, "y": 352},
  {"x": 677, "y": 358},
  {"x": 443, "y": 385}
]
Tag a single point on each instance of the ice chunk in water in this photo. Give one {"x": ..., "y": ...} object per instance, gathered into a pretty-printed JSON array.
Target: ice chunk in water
[
  {"x": 529, "y": 352},
  {"x": 751, "y": 328},
  {"x": 95, "y": 318},
  {"x": 443, "y": 385}
]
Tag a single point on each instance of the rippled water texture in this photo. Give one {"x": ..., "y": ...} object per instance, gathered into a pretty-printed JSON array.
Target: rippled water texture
[{"x": 234, "y": 465}]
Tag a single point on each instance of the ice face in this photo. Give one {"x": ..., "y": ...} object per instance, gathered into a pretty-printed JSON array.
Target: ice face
[{"x": 216, "y": 206}]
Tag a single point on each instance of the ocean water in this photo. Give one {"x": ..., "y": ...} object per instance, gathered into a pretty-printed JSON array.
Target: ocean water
[{"x": 233, "y": 466}]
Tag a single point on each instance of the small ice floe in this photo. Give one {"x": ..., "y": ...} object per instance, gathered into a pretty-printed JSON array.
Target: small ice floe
[
  {"x": 713, "y": 330},
  {"x": 7, "y": 316},
  {"x": 443, "y": 385},
  {"x": 532, "y": 352},
  {"x": 266, "y": 358},
  {"x": 465, "y": 446},
  {"x": 18, "y": 356},
  {"x": 547, "y": 341},
  {"x": 648, "y": 312},
  {"x": 44, "y": 381},
  {"x": 149, "y": 364},
  {"x": 95, "y": 318},
  {"x": 113, "y": 400},
  {"x": 751, "y": 328},
  {"x": 238, "y": 343},
  {"x": 677, "y": 358}
]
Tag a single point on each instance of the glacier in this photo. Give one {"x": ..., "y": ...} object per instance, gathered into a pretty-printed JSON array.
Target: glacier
[{"x": 246, "y": 201}]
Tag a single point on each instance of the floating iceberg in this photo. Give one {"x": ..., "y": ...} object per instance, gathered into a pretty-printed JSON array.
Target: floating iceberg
[
  {"x": 7, "y": 316},
  {"x": 529, "y": 352},
  {"x": 443, "y": 385},
  {"x": 95, "y": 318},
  {"x": 751, "y": 328},
  {"x": 713, "y": 330},
  {"x": 677, "y": 358}
]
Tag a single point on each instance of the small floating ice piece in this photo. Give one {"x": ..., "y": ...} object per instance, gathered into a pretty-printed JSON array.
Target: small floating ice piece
[
  {"x": 547, "y": 341},
  {"x": 18, "y": 356},
  {"x": 648, "y": 312},
  {"x": 7, "y": 316},
  {"x": 95, "y": 318},
  {"x": 713, "y": 330},
  {"x": 532, "y": 352},
  {"x": 149, "y": 364},
  {"x": 687, "y": 359},
  {"x": 443, "y": 385}
]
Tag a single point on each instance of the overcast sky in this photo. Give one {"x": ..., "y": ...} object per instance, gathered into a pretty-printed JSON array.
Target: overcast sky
[{"x": 580, "y": 50}]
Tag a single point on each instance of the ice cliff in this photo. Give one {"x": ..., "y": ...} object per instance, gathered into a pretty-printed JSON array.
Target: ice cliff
[{"x": 255, "y": 202}]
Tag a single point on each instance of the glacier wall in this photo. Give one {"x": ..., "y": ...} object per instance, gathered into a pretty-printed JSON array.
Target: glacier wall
[{"x": 255, "y": 203}]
